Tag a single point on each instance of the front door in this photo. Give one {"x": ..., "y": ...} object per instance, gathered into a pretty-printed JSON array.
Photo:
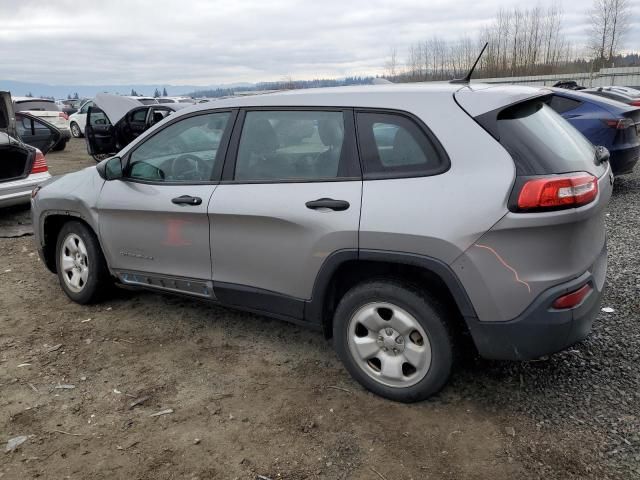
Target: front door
[
  {"x": 290, "y": 199},
  {"x": 153, "y": 223},
  {"x": 99, "y": 133}
]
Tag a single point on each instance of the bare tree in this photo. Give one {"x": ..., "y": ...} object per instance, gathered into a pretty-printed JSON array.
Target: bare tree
[
  {"x": 620, "y": 14},
  {"x": 391, "y": 66}
]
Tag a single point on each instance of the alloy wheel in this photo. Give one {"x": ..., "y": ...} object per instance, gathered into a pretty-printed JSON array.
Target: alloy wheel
[{"x": 74, "y": 263}]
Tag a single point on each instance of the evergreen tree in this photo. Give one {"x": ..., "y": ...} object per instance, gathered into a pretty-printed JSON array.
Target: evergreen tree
[
  {"x": 164, "y": 92},
  {"x": 76, "y": 96},
  {"x": 156, "y": 94}
]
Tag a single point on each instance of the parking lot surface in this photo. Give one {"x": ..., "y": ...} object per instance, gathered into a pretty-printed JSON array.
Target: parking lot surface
[{"x": 241, "y": 395}]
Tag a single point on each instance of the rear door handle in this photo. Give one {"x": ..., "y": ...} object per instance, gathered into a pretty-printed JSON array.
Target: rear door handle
[
  {"x": 187, "y": 200},
  {"x": 337, "y": 205}
]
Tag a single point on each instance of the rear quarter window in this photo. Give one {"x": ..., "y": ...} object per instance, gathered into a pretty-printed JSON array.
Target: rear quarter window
[{"x": 393, "y": 145}]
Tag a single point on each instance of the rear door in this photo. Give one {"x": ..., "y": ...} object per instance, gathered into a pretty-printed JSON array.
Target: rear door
[
  {"x": 289, "y": 198},
  {"x": 36, "y": 132}
]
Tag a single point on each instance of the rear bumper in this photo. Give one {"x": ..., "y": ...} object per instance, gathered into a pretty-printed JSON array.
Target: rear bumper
[
  {"x": 622, "y": 161},
  {"x": 19, "y": 191},
  {"x": 540, "y": 329}
]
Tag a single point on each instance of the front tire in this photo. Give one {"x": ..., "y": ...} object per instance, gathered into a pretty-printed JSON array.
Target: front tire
[
  {"x": 81, "y": 267},
  {"x": 393, "y": 338},
  {"x": 75, "y": 130}
]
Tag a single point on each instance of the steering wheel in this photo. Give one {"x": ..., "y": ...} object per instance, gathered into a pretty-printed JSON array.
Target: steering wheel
[{"x": 189, "y": 167}]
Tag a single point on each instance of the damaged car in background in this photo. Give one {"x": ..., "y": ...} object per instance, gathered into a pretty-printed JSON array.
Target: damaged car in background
[
  {"x": 114, "y": 121},
  {"x": 22, "y": 167}
]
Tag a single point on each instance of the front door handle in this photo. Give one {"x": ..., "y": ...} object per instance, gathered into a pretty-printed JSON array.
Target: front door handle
[
  {"x": 187, "y": 200},
  {"x": 337, "y": 205}
]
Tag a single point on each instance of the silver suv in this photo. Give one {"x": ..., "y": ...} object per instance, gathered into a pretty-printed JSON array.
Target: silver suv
[{"x": 395, "y": 218}]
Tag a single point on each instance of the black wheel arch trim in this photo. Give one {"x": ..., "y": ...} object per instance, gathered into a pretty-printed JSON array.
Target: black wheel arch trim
[{"x": 314, "y": 308}]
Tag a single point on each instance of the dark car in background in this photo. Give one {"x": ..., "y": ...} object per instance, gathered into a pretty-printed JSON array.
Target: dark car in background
[
  {"x": 22, "y": 166},
  {"x": 604, "y": 122}
]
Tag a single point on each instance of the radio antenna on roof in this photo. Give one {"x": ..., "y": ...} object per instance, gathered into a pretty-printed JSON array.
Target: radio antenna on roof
[{"x": 467, "y": 78}]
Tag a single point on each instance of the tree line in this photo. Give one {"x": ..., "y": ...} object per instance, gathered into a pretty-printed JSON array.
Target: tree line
[{"x": 521, "y": 42}]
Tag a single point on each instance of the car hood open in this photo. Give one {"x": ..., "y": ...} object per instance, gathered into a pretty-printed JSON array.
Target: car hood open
[{"x": 115, "y": 106}]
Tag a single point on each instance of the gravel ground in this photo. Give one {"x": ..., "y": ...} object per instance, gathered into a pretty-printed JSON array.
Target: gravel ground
[
  {"x": 589, "y": 394},
  {"x": 252, "y": 396}
]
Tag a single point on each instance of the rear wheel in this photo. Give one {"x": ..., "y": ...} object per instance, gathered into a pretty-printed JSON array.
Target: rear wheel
[
  {"x": 81, "y": 267},
  {"x": 393, "y": 338},
  {"x": 75, "y": 130}
]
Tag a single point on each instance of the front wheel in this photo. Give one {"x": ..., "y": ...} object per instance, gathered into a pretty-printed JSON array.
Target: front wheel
[
  {"x": 393, "y": 338},
  {"x": 81, "y": 267},
  {"x": 75, "y": 130}
]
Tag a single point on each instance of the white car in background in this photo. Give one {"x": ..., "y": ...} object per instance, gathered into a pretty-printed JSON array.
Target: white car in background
[
  {"x": 48, "y": 111},
  {"x": 78, "y": 120},
  {"x": 175, "y": 100}
]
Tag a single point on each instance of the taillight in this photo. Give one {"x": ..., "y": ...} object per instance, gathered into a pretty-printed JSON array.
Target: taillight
[
  {"x": 572, "y": 299},
  {"x": 39, "y": 164},
  {"x": 636, "y": 103},
  {"x": 619, "y": 123},
  {"x": 63, "y": 115},
  {"x": 557, "y": 192}
]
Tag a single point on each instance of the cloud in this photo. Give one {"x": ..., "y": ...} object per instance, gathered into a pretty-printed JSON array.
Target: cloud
[{"x": 210, "y": 42}]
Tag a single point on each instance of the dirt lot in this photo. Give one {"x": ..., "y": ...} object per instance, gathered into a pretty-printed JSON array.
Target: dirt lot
[{"x": 252, "y": 396}]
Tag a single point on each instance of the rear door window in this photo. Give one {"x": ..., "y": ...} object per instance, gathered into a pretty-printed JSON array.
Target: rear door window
[
  {"x": 393, "y": 145},
  {"x": 540, "y": 141},
  {"x": 293, "y": 145}
]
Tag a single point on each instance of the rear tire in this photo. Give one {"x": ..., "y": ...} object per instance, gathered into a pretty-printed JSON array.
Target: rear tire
[
  {"x": 394, "y": 339},
  {"x": 75, "y": 130},
  {"x": 82, "y": 269}
]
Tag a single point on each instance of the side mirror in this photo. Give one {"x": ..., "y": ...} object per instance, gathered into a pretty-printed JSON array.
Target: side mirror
[{"x": 111, "y": 168}]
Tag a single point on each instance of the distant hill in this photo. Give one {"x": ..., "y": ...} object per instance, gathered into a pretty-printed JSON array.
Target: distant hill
[
  {"x": 62, "y": 91},
  {"x": 18, "y": 88}
]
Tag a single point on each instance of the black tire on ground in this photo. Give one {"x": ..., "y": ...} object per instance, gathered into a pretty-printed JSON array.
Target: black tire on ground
[
  {"x": 429, "y": 313},
  {"x": 61, "y": 145},
  {"x": 75, "y": 130},
  {"x": 99, "y": 283}
]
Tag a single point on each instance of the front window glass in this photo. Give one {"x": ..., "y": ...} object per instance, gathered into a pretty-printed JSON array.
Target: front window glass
[{"x": 185, "y": 151}]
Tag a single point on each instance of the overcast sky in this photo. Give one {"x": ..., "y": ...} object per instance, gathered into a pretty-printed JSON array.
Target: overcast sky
[{"x": 204, "y": 42}]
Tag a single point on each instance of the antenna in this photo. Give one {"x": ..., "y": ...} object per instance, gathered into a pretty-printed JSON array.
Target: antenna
[{"x": 467, "y": 78}]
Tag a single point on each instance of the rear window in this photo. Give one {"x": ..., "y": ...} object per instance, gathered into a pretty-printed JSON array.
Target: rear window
[
  {"x": 147, "y": 101},
  {"x": 541, "y": 142},
  {"x": 40, "y": 105},
  {"x": 563, "y": 104}
]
